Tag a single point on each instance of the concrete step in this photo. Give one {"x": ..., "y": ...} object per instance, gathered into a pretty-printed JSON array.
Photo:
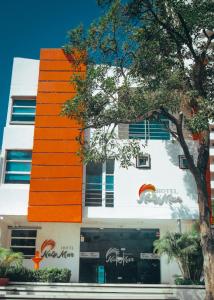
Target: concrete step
[
  {"x": 88, "y": 289},
  {"x": 87, "y": 296},
  {"x": 85, "y": 291}
]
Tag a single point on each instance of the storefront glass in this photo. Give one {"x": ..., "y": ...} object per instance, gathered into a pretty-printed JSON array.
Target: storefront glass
[{"x": 118, "y": 256}]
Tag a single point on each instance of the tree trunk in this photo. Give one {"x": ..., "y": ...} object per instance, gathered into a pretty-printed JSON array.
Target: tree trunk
[{"x": 207, "y": 242}]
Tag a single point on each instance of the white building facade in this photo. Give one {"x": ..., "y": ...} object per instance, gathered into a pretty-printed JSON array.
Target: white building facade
[{"x": 122, "y": 210}]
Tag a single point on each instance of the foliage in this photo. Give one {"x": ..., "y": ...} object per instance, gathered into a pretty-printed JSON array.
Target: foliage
[
  {"x": 53, "y": 275},
  {"x": 186, "y": 249},
  {"x": 155, "y": 59},
  {"x": 21, "y": 274},
  {"x": 182, "y": 281},
  {"x": 8, "y": 259},
  {"x": 41, "y": 275}
]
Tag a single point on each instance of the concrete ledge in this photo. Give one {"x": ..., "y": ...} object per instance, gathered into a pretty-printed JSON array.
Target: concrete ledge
[{"x": 38, "y": 290}]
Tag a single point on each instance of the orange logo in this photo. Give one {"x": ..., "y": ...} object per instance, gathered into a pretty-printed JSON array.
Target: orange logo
[
  {"x": 146, "y": 187},
  {"x": 38, "y": 258},
  {"x": 48, "y": 243},
  {"x": 143, "y": 189}
]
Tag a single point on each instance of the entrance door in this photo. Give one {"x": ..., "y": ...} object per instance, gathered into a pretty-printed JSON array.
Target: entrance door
[{"x": 118, "y": 256}]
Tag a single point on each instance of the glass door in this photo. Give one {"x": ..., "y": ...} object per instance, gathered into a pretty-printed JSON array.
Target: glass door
[{"x": 118, "y": 256}]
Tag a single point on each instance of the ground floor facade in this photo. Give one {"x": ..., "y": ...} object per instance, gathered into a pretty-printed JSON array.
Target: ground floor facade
[{"x": 96, "y": 252}]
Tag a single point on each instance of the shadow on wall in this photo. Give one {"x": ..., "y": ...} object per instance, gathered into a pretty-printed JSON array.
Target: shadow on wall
[
  {"x": 174, "y": 150},
  {"x": 183, "y": 212}
]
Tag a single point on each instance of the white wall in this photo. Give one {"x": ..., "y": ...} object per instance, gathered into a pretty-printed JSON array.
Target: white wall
[
  {"x": 164, "y": 174},
  {"x": 24, "y": 82},
  {"x": 67, "y": 238},
  {"x": 25, "y": 75}
]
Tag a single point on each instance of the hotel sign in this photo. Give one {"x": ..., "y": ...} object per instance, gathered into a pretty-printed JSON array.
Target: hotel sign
[
  {"x": 89, "y": 255},
  {"x": 149, "y": 256},
  {"x": 148, "y": 193},
  {"x": 48, "y": 250},
  {"x": 118, "y": 257}
]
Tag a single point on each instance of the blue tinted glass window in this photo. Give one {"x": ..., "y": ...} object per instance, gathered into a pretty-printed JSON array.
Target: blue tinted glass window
[
  {"x": 17, "y": 178},
  {"x": 152, "y": 129},
  {"x": 19, "y": 155},
  {"x": 18, "y": 166},
  {"x": 23, "y": 111},
  {"x": 98, "y": 177}
]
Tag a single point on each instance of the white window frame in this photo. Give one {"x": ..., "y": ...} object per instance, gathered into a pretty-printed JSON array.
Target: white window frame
[
  {"x": 23, "y": 238},
  {"x": 12, "y": 106},
  {"x": 14, "y": 160},
  {"x": 104, "y": 174}
]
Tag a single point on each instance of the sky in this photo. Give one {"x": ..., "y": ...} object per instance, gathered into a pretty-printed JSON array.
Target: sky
[{"x": 28, "y": 25}]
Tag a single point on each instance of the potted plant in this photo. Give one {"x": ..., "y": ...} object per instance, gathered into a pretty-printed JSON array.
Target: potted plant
[{"x": 8, "y": 258}]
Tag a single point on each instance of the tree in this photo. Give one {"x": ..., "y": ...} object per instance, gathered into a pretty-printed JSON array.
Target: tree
[
  {"x": 155, "y": 59},
  {"x": 185, "y": 248}
]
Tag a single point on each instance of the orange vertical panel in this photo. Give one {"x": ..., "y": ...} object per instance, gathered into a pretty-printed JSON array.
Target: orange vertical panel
[{"x": 56, "y": 177}]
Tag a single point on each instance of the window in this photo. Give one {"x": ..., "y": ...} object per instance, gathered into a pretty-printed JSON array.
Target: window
[
  {"x": 18, "y": 166},
  {"x": 143, "y": 161},
  {"x": 100, "y": 184},
  {"x": 23, "y": 111},
  {"x": 150, "y": 129},
  {"x": 183, "y": 163},
  {"x": 24, "y": 240},
  {"x": 109, "y": 187}
]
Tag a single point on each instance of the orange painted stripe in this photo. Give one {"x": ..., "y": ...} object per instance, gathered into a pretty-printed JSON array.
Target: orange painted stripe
[
  {"x": 59, "y": 54},
  {"x": 55, "y": 121},
  {"x": 56, "y": 198},
  {"x": 63, "y": 184},
  {"x": 48, "y": 76},
  {"x": 56, "y": 134},
  {"x": 49, "y": 109},
  {"x": 56, "y": 159},
  {"x": 56, "y": 65},
  {"x": 56, "y": 172},
  {"x": 52, "y": 54},
  {"x": 54, "y": 86},
  {"x": 67, "y": 213},
  {"x": 54, "y": 146},
  {"x": 54, "y": 97}
]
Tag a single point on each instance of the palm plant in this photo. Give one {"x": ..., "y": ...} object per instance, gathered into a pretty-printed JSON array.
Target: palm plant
[
  {"x": 8, "y": 258},
  {"x": 185, "y": 248}
]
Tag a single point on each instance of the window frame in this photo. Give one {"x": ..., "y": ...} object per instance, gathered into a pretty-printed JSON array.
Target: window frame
[
  {"x": 146, "y": 130},
  {"x": 105, "y": 192},
  {"x": 181, "y": 157},
  {"x": 23, "y": 238},
  {"x": 15, "y": 172},
  {"x": 24, "y": 98},
  {"x": 139, "y": 166}
]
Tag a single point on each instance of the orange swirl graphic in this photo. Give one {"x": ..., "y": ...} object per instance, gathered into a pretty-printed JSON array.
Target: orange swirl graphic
[
  {"x": 47, "y": 243},
  {"x": 146, "y": 187}
]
